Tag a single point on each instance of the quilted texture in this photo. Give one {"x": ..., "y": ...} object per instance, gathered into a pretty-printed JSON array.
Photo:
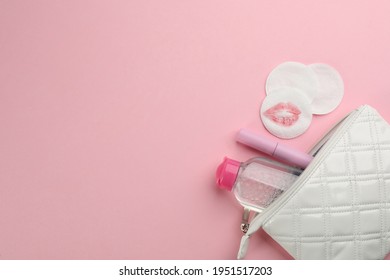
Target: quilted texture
[{"x": 343, "y": 209}]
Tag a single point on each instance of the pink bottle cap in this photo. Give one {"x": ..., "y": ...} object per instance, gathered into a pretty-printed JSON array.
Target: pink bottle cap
[{"x": 227, "y": 173}]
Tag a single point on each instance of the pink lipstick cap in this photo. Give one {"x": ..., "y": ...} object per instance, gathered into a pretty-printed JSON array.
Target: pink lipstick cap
[
  {"x": 273, "y": 148},
  {"x": 257, "y": 142}
]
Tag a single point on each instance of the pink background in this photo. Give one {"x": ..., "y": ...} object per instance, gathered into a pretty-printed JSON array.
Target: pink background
[{"x": 115, "y": 114}]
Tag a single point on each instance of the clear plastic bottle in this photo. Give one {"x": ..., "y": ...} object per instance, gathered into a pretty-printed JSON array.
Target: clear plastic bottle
[{"x": 257, "y": 182}]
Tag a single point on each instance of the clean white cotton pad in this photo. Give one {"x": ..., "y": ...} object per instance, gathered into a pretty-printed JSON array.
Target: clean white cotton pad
[
  {"x": 293, "y": 75},
  {"x": 286, "y": 112},
  {"x": 330, "y": 89}
]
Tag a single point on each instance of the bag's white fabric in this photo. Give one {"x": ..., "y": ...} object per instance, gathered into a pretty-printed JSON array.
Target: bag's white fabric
[{"x": 342, "y": 211}]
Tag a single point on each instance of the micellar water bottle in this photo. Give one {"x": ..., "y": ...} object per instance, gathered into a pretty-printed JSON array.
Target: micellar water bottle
[{"x": 257, "y": 182}]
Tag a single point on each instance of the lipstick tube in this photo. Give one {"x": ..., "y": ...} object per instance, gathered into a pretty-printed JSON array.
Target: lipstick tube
[{"x": 274, "y": 149}]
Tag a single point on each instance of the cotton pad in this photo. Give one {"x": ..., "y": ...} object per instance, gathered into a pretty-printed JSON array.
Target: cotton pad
[
  {"x": 330, "y": 89},
  {"x": 286, "y": 112},
  {"x": 293, "y": 75}
]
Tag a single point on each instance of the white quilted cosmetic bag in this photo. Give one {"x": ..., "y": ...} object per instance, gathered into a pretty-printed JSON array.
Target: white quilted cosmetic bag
[{"x": 339, "y": 207}]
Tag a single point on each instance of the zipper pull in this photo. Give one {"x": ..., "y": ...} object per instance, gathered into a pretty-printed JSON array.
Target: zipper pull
[{"x": 245, "y": 219}]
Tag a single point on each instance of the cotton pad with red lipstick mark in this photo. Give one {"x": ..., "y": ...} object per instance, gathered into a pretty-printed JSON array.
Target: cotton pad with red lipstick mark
[{"x": 286, "y": 113}]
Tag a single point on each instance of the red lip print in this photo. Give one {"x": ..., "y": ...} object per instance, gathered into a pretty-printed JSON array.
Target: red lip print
[{"x": 284, "y": 114}]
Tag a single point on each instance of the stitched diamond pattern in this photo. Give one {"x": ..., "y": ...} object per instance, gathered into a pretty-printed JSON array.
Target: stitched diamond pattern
[{"x": 343, "y": 211}]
